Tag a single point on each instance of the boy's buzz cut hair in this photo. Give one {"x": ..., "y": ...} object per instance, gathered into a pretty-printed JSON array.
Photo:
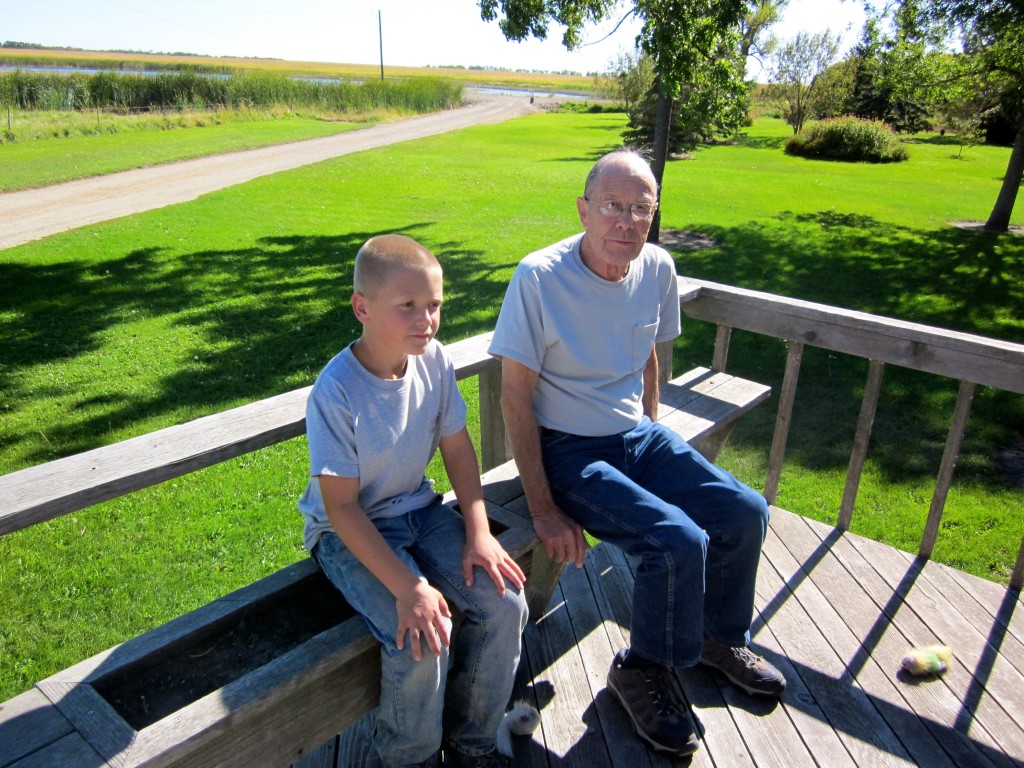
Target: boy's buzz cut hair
[{"x": 381, "y": 254}]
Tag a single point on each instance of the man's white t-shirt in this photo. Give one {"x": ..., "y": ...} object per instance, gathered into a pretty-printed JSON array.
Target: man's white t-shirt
[{"x": 588, "y": 338}]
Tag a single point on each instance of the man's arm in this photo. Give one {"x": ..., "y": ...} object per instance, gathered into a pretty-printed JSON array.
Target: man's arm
[
  {"x": 420, "y": 606},
  {"x": 649, "y": 400},
  {"x": 563, "y": 538},
  {"x": 482, "y": 549}
]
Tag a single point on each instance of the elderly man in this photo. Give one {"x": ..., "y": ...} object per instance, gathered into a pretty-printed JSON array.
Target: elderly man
[{"x": 576, "y": 336}]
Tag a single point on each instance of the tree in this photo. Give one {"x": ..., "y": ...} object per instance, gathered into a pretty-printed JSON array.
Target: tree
[
  {"x": 835, "y": 90},
  {"x": 754, "y": 23},
  {"x": 992, "y": 36},
  {"x": 798, "y": 65},
  {"x": 701, "y": 114},
  {"x": 889, "y": 74},
  {"x": 678, "y": 35},
  {"x": 630, "y": 77}
]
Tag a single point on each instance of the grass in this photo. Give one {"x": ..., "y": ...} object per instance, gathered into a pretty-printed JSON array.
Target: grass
[
  {"x": 137, "y": 142},
  {"x": 118, "y": 329}
]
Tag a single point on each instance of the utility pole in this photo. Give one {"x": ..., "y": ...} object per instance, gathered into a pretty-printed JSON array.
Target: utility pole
[{"x": 380, "y": 35}]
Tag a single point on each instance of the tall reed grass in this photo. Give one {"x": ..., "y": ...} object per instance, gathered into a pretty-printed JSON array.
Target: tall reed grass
[{"x": 131, "y": 92}]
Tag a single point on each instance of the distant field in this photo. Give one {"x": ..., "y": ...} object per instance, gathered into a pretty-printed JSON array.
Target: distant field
[{"x": 539, "y": 81}]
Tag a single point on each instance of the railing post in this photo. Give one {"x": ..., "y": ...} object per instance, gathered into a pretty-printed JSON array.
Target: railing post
[
  {"x": 1017, "y": 577},
  {"x": 949, "y": 456},
  {"x": 663, "y": 350},
  {"x": 494, "y": 446},
  {"x": 861, "y": 440},
  {"x": 722, "y": 336},
  {"x": 783, "y": 420}
]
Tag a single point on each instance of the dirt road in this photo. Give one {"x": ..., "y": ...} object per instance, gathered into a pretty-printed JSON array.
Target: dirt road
[{"x": 36, "y": 213}]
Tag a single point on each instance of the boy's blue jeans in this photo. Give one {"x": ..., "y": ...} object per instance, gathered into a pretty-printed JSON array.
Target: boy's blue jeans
[
  {"x": 696, "y": 530},
  {"x": 462, "y": 693}
]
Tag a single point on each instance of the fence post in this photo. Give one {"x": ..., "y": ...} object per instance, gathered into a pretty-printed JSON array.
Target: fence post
[{"x": 494, "y": 446}]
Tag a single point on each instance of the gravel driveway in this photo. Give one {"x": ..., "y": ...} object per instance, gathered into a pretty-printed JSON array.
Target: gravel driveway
[{"x": 31, "y": 214}]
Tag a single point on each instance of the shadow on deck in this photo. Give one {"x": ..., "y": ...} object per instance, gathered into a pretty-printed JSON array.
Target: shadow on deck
[{"x": 836, "y": 612}]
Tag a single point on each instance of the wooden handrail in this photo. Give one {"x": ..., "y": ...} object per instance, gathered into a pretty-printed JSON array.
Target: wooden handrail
[{"x": 981, "y": 360}]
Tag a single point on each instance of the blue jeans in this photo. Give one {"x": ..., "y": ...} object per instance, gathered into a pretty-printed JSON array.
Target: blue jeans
[
  {"x": 696, "y": 530},
  {"x": 462, "y": 693}
]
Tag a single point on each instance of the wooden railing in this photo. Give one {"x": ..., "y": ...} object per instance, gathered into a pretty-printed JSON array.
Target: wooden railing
[
  {"x": 59, "y": 487},
  {"x": 971, "y": 360}
]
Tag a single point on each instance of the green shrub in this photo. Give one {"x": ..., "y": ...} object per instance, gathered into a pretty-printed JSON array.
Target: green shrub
[{"x": 848, "y": 138}]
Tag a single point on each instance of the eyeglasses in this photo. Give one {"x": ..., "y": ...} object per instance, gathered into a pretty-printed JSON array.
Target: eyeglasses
[{"x": 613, "y": 210}]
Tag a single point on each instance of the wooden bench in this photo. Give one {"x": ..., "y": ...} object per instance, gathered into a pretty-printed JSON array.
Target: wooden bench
[{"x": 285, "y": 701}]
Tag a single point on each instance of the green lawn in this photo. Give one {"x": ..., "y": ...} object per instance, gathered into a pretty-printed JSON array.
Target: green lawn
[
  {"x": 30, "y": 164},
  {"x": 117, "y": 329}
]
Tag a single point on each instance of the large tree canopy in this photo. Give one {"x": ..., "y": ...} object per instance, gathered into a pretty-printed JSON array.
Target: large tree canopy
[{"x": 992, "y": 35}]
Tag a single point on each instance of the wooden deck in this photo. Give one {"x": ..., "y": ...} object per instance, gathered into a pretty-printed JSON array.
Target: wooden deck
[{"x": 836, "y": 612}]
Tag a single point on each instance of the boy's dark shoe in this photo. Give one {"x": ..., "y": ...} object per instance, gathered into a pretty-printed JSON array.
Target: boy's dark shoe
[
  {"x": 456, "y": 759},
  {"x": 744, "y": 669},
  {"x": 659, "y": 716}
]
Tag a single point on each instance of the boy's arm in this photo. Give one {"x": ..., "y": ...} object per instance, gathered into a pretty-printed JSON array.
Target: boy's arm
[
  {"x": 482, "y": 549},
  {"x": 420, "y": 606}
]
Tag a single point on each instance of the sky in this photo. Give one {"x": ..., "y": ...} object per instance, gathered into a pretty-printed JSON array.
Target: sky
[{"x": 414, "y": 32}]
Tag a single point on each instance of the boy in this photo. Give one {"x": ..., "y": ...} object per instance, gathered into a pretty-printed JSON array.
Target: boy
[{"x": 373, "y": 522}]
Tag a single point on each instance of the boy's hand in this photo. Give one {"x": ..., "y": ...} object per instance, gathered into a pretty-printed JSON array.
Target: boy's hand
[
  {"x": 483, "y": 550},
  {"x": 421, "y": 613}
]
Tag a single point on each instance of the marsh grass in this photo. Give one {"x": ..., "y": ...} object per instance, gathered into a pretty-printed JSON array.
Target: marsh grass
[
  {"x": 539, "y": 82},
  {"x": 118, "y": 329}
]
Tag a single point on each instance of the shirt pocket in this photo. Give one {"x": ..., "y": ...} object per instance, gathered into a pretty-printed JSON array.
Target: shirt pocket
[{"x": 643, "y": 342}]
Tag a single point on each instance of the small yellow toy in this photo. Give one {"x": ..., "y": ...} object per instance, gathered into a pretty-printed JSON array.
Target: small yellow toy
[{"x": 929, "y": 660}]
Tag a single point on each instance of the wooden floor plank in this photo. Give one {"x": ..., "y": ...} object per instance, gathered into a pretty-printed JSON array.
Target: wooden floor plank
[
  {"x": 70, "y": 750},
  {"x": 820, "y": 657},
  {"x": 788, "y": 636},
  {"x": 599, "y": 634},
  {"x": 863, "y": 598},
  {"x": 987, "y": 690},
  {"x": 555, "y": 661},
  {"x": 355, "y": 746},
  {"x": 28, "y": 723},
  {"x": 996, "y": 610}
]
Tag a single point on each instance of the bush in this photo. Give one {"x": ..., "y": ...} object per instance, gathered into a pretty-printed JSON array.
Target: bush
[{"x": 848, "y": 138}]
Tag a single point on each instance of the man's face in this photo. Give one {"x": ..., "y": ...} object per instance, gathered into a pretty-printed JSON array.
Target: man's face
[{"x": 611, "y": 242}]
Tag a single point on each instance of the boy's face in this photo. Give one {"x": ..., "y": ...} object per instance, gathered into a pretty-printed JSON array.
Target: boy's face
[{"x": 404, "y": 313}]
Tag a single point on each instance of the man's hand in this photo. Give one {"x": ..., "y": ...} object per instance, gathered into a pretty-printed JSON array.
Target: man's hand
[
  {"x": 562, "y": 536},
  {"x": 421, "y": 612},
  {"x": 483, "y": 550}
]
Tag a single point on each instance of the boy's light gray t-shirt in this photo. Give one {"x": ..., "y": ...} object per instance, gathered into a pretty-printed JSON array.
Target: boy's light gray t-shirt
[
  {"x": 383, "y": 432},
  {"x": 588, "y": 338}
]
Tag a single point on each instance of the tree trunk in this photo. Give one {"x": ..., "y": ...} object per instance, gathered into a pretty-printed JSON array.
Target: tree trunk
[
  {"x": 999, "y": 219},
  {"x": 662, "y": 128}
]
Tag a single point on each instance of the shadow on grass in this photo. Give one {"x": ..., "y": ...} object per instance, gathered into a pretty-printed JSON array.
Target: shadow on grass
[
  {"x": 261, "y": 321},
  {"x": 265, "y": 319},
  {"x": 950, "y": 278},
  {"x": 760, "y": 142}
]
